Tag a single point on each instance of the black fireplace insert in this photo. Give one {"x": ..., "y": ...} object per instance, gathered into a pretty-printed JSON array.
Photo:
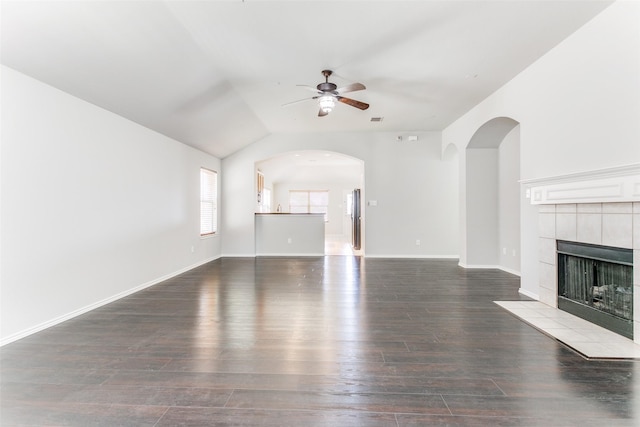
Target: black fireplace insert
[{"x": 596, "y": 284}]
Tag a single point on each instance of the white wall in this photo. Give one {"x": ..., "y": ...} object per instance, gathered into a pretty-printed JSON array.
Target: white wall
[
  {"x": 482, "y": 207},
  {"x": 578, "y": 109},
  {"x": 93, "y": 206},
  {"x": 416, "y": 191},
  {"x": 509, "y": 202}
]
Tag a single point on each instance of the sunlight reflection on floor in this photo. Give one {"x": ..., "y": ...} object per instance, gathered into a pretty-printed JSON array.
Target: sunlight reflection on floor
[{"x": 337, "y": 244}]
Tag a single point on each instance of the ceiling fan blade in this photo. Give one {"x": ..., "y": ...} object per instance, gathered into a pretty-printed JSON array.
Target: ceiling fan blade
[
  {"x": 311, "y": 88},
  {"x": 351, "y": 88},
  {"x": 322, "y": 113},
  {"x": 353, "y": 102},
  {"x": 298, "y": 101}
]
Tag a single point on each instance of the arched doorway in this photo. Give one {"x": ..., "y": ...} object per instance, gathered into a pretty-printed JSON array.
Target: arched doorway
[
  {"x": 315, "y": 171},
  {"x": 492, "y": 196}
]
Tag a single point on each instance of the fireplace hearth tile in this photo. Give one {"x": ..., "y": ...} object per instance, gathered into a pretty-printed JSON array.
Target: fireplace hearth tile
[
  {"x": 566, "y": 335},
  {"x": 590, "y": 340},
  {"x": 549, "y": 297},
  {"x": 543, "y": 323}
]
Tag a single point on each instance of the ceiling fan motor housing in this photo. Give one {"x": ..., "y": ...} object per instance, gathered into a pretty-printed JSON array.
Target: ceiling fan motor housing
[{"x": 327, "y": 87}]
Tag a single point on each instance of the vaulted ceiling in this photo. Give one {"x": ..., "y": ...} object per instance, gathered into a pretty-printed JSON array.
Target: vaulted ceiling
[{"x": 215, "y": 74}]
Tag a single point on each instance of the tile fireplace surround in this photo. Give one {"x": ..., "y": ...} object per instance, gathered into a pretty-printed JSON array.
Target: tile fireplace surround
[{"x": 601, "y": 208}]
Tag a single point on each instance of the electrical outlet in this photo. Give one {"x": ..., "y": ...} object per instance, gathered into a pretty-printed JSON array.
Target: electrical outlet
[
  {"x": 417, "y": 242},
  {"x": 193, "y": 249},
  {"x": 289, "y": 240},
  {"x": 504, "y": 251}
]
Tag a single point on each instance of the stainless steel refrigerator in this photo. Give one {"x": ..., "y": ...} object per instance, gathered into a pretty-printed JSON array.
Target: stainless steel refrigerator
[{"x": 356, "y": 219}]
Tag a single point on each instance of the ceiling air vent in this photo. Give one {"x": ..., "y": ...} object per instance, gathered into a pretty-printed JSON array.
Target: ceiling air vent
[{"x": 376, "y": 119}]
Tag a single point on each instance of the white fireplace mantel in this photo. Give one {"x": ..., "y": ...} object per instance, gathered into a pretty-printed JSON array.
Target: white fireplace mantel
[
  {"x": 599, "y": 207},
  {"x": 620, "y": 184}
]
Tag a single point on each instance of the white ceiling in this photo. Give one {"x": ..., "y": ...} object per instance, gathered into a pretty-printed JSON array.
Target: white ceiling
[{"x": 214, "y": 74}]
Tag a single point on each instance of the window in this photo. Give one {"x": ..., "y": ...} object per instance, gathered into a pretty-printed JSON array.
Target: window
[
  {"x": 208, "y": 202},
  {"x": 304, "y": 201},
  {"x": 266, "y": 200}
]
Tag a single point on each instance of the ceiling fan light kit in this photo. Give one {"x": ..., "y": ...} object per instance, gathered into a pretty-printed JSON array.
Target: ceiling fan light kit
[
  {"x": 328, "y": 93},
  {"x": 326, "y": 103}
]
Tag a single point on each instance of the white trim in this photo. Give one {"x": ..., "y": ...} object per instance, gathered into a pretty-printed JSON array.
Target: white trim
[
  {"x": 481, "y": 266},
  {"x": 93, "y": 306},
  {"x": 363, "y": 255},
  {"x": 293, "y": 255},
  {"x": 491, "y": 267},
  {"x": 614, "y": 172},
  {"x": 510, "y": 271},
  {"x": 413, "y": 256},
  {"x": 251, "y": 255},
  {"x": 621, "y": 184},
  {"x": 529, "y": 294}
]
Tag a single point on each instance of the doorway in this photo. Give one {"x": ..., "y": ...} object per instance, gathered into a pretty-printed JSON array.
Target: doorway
[
  {"x": 312, "y": 171},
  {"x": 493, "y": 196}
]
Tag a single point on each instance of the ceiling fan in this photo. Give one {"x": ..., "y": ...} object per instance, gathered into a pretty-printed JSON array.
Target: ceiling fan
[{"x": 328, "y": 93}]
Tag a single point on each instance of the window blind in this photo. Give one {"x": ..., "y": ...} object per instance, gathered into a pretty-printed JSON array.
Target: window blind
[
  {"x": 309, "y": 201},
  {"x": 208, "y": 202}
]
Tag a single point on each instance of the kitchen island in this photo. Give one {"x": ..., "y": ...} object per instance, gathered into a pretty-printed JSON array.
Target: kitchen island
[{"x": 286, "y": 234}]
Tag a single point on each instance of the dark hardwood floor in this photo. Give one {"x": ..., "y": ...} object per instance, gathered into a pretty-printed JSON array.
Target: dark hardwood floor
[{"x": 326, "y": 341}]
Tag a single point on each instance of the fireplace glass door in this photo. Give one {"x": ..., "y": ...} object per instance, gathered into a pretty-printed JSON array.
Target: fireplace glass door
[{"x": 596, "y": 283}]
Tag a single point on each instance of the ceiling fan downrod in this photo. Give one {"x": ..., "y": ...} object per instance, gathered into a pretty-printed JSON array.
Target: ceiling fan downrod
[{"x": 326, "y": 86}]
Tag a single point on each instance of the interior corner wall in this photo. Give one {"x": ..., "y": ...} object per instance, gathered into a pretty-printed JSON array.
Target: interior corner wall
[
  {"x": 414, "y": 189},
  {"x": 93, "y": 206},
  {"x": 578, "y": 109}
]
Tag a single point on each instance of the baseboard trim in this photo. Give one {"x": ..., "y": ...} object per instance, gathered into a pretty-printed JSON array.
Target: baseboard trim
[
  {"x": 510, "y": 271},
  {"x": 412, "y": 256},
  {"x": 292, "y": 255},
  {"x": 529, "y": 294},
  {"x": 364, "y": 255},
  {"x": 482, "y": 266},
  {"x": 489, "y": 267},
  {"x": 57, "y": 320},
  {"x": 253, "y": 255}
]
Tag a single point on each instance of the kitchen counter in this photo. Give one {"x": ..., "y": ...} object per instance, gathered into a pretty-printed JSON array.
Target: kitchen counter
[{"x": 289, "y": 234}]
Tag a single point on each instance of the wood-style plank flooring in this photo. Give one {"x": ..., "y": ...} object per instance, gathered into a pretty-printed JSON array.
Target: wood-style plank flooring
[{"x": 334, "y": 341}]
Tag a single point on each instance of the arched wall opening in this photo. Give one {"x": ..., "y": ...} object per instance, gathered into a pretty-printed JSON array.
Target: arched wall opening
[
  {"x": 492, "y": 196},
  {"x": 314, "y": 170},
  {"x": 450, "y": 152}
]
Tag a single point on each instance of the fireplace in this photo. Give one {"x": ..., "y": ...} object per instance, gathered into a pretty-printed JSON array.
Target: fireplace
[
  {"x": 596, "y": 283},
  {"x": 599, "y": 208}
]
